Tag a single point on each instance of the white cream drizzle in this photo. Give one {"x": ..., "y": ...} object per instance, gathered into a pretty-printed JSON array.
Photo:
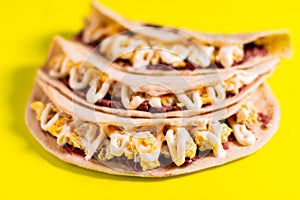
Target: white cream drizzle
[
  {"x": 178, "y": 141},
  {"x": 92, "y": 95},
  {"x": 90, "y": 77},
  {"x": 45, "y": 123},
  {"x": 142, "y": 57},
  {"x": 217, "y": 93},
  {"x": 80, "y": 83},
  {"x": 216, "y": 129},
  {"x": 196, "y": 104},
  {"x": 132, "y": 104},
  {"x": 115, "y": 47},
  {"x": 242, "y": 134}
]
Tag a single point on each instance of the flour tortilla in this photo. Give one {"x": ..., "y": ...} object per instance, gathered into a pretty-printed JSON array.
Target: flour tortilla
[
  {"x": 155, "y": 84},
  {"x": 46, "y": 83},
  {"x": 74, "y": 108},
  {"x": 277, "y": 42},
  {"x": 77, "y": 54},
  {"x": 263, "y": 99}
]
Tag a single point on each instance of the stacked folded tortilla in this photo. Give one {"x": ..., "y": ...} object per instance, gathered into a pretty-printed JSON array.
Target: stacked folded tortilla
[{"x": 137, "y": 99}]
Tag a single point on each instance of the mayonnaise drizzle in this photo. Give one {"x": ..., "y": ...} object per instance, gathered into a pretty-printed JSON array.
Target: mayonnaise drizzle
[
  {"x": 196, "y": 104},
  {"x": 80, "y": 83},
  {"x": 242, "y": 134},
  {"x": 217, "y": 93},
  {"x": 132, "y": 104},
  {"x": 178, "y": 142},
  {"x": 92, "y": 95},
  {"x": 45, "y": 123}
]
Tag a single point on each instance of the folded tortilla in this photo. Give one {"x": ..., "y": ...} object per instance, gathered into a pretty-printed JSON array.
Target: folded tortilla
[
  {"x": 225, "y": 51},
  {"x": 263, "y": 101},
  {"x": 157, "y": 88}
]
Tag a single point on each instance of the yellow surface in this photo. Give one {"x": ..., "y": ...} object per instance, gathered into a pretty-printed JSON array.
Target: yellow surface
[{"x": 27, "y": 171}]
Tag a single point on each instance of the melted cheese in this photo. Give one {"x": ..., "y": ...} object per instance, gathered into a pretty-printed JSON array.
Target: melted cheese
[
  {"x": 226, "y": 131},
  {"x": 38, "y": 107}
]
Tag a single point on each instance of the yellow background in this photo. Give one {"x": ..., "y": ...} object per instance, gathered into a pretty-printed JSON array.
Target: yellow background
[{"x": 27, "y": 171}]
